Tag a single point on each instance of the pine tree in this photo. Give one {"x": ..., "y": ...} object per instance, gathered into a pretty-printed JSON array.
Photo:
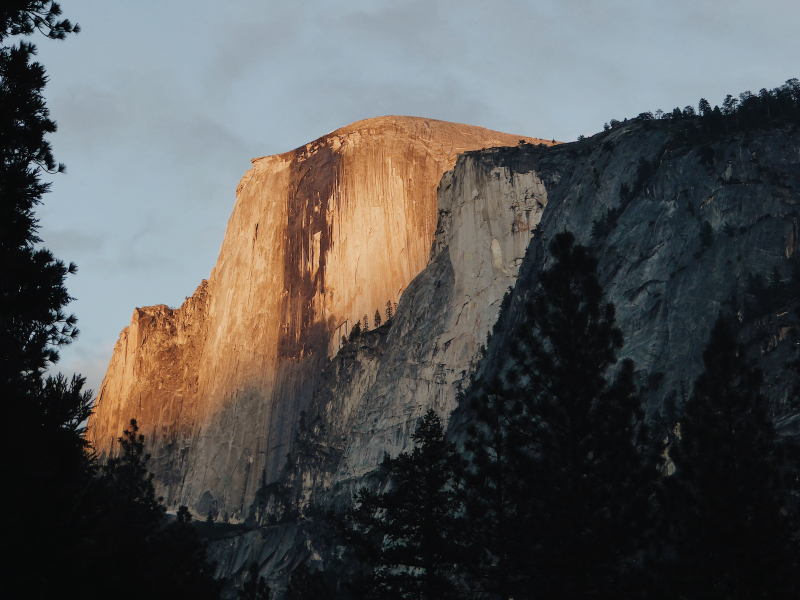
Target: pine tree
[
  {"x": 377, "y": 319},
  {"x": 389, "y": 311},
  {"x": 255, "y": 587},
  {"x": 127, "y": 532},
  {"x": 365, "y": 324},
  {"x": 43, "y": 415},
  {"x": 129, "y": 484},
  {"x": 111, "y": 520},
  {"x": 306, "y": 584},
  {"x": 733, "y": 528},
  {"x": 126, "y": 514},
  {"x": 558, "y": 448},
  {"x": 416, "y": 518},
  {"x": 178, "y": 566},
  {"x": 32, "y": 291},
  {"x": 355, "y": 332},
  {"x": 494, "y": 562}
]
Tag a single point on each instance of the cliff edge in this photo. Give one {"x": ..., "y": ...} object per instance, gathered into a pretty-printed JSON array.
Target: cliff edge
[{"x": 319, "y": 238}]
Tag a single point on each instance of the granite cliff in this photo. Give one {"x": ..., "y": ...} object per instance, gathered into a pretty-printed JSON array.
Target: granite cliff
[
  {"x": 679, "y": 230},
  {"x": 319, "y": 237}
]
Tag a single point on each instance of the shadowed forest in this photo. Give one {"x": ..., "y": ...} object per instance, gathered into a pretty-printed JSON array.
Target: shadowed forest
[{"x": 560, "y": 490}]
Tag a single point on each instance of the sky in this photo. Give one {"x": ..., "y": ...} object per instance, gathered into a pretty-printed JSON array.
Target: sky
[{"x": 161, "y": 105}]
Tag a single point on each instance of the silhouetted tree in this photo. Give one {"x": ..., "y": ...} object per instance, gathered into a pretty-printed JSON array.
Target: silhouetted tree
[
  {"x": 306, "y": 584},
  {"x": 33, "y": 293},
  {"x": 389, "y": 311},
  {"x": 24, "y": 17},
  {"x": 355, "y": 332},
  {"x": 254, "y": 587},
  {"x": 416, "y": 517},
  {"x": 495, "y": 558},
  {"x": 365, "y": 324},
  {"x": 128, "y": 533},
  {"x": 113, "y": 521},
  {"x": 178, "y": 566},
  {"x": 564, "y": 445},
  {"x": 729, "y": 105},
  {"x": 129, "y": 484},
  {"x": 43, "y": 416},
  {"x": 732, "y": 523},
  {"x": 377, "y": 319}
]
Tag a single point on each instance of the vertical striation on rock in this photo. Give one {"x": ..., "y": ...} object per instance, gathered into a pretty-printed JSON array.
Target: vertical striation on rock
[
  {"x": 498, "y": 209},
  {"x": 319, "y": 237},
  {"x": 223, "y": 379},
  {"x": 373, "y": 393}
]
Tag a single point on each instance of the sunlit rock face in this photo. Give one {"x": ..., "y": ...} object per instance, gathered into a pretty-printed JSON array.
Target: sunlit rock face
[
  {"x": 375, "y": 391},
  {"x": 498, "y": 210},
  {"x": 319, "y": 237}
]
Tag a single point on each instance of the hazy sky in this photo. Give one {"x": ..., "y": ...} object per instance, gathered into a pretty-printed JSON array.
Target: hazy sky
[{"x": 161, "y": 105}]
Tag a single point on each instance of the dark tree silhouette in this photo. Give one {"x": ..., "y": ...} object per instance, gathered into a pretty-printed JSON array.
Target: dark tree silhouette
[
  {"x": 389, "y": 311},
  {"x": 306, "y": 584},
  {"x": 416, "y": 517},
  {"x": 355, "y": 332},
  {"x": 178, "y": 565},
  {"x": 43, "y": 416},
  {"x": 111, "y": 520},
  {"x": 733, "y": 527},
  {"x": 377, "y": 319},
  {"x": 24, "y": 17},
  {"x": 560, "y": 449},
  {"x": 254, "y": 587},
  {"x": 494, "y": 560},
  {"x": 127, "y": 537},
  {"x": 128, "y": 485}
]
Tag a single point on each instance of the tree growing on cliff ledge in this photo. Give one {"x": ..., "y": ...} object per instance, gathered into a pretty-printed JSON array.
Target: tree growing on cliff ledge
[
  {"x": 389, "y": 311},
  {"x": 355, "y": 332},
  {"x": 255, "y": 587}
]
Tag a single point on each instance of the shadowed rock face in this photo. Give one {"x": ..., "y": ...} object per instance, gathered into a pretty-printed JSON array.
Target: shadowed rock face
[
  {"x": 219, "y": 383},
  {"x": 319, "y": 238},
  {"x": 498, "y": 210}
]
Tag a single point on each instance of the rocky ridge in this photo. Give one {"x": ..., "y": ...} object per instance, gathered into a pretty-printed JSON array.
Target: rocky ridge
[
  {"x": 678, "y": 228},
  {"x": 319, "y": 237},
  {"x": 677, "y": 238}
]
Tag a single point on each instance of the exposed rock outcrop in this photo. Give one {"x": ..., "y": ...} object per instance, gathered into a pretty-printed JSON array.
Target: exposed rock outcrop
[
  {"x": 666, "y": 272},
  {"x": 376, "y": 389},
  {"x": 319, "y": 237},
  {"x": 678, "y": 232}
]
